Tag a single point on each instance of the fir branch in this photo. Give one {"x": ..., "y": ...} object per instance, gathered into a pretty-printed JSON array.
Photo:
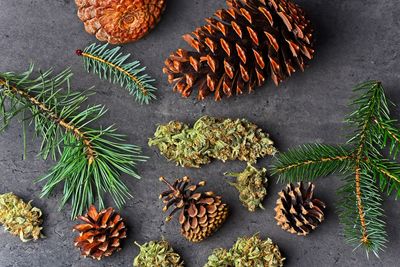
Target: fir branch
[
  {"x": 367, "y": 230},
  {"x": 390, "y": 133},
  {"x": 111, "y": 65},
  {"x": 91, "y": 160},
  {"x": 388, "y": 174},
  {"x": 309, "y": 162},
  {"x": 371, "y": 105}
]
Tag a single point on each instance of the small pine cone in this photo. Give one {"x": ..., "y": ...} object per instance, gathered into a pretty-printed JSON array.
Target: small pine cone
[
  {"x": 100, "y": 234},
  {"x": 297, "y": 211},
  {"x": 201, "y": 214},
  {"x": 240, "y": 46},
  {"x": 120, "y": 21}
]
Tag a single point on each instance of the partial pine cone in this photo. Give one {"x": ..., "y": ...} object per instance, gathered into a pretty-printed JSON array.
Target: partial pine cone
[
  {"x": 100, "y": 233},
  {"x": 201, "y": 214},
  {"x": 240, "y": 46},
  {"x": 120, "y": 21},
  {"x": 297, "y": 211}
]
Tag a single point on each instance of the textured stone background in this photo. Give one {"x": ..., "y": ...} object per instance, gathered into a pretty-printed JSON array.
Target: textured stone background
[{"x": 357, "y": 40}]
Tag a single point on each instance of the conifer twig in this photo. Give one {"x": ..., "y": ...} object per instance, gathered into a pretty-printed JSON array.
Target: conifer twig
[
  {"x": 90, "y": 160},
  {"x": 112, "y": 65}
]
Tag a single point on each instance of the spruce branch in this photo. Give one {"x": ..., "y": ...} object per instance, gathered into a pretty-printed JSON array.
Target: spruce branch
[
  {"x": 391, "y": 135},
  {"x": 90, "y": 160},
  {"x": 362, "y": 163},
  {"x": 366, "y": 229},
  {"x": 311, "y": 161},
  {"x": 113, "y": 66},
  {"x": 387, "y": 173}
]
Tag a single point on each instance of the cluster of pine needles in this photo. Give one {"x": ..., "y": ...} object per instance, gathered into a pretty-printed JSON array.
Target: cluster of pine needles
[
  {"x": 90, "y": 160},
  {"x": 367, "y": 164}
]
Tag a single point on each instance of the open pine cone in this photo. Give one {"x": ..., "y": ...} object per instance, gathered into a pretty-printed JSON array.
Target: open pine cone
[
  {"x": 240, "y": 46},
  {"x": 297, "y": 211},
  {"x": 201, "y": 214},
  {"x": 120, "y": 21},
  {"x": 100, "y": 233}
]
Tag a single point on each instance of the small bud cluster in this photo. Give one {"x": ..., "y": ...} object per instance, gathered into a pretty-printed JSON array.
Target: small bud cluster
[
  {"x": 251, "y": 186},
  {"x": 158, "y": 253},
  {"x": 20, "y": 218},
  {"x": 248, "y": 251}
]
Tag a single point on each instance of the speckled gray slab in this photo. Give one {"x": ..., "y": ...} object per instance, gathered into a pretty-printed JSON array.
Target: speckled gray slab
[{"x": 357, "y": 40}]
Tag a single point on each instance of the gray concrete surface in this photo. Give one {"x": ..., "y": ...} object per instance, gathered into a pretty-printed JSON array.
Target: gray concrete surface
[{"x": 357, "y": 40}]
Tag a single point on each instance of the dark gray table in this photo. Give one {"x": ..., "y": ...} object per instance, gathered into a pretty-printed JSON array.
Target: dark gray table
[{"x": 357, "y": 40}]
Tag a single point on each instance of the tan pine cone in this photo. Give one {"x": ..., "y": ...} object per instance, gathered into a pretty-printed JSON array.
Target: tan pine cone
[
  {"x": 120, "y": 21},
  {"x": 240, "y": 46},
  {"x": 100, "y": 233},
  {"x": 201, "y": 214},
  {"x": 297, "y": 211}
]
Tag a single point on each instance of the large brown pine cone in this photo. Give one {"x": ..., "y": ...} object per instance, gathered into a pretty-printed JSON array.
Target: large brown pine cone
[
  {"x": 100, "y": 233},
  {"x": 297, "y": 211},
  {"x": 201, "y": 214},
  {"x": 120, "y": 21},
  {"x": 240, "y": 46}
]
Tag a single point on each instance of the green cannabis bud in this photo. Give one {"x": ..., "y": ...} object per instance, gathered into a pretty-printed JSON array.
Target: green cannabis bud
[
  {"x": 248, "y": 251},
  {"x": 219, "y": 258},
  {"x": 251, "y": 186},
  {"x": 212, "y": 138},
  {"x": 20, "y": 218},
  {"x": 158, "y": 254}
]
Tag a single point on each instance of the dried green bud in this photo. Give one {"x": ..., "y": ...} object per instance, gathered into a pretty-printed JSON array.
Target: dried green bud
[
  {"x": 251, "y": 186},
  {"x": 219, "y": 258},
  {"x": 223, "y": 139},
  {"x": 248, "y": 251},
  {"x": 157, "y": 254},
  {"x": 20, "y": 218}
]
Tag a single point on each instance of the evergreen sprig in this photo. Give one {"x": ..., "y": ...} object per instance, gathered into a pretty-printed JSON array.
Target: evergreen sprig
[
  {"x": 90, "y": 160},
  {"x": 111, "y": 65},
  {"x": 311, "y": 161},
  {"x": 361, "y": 162}
]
